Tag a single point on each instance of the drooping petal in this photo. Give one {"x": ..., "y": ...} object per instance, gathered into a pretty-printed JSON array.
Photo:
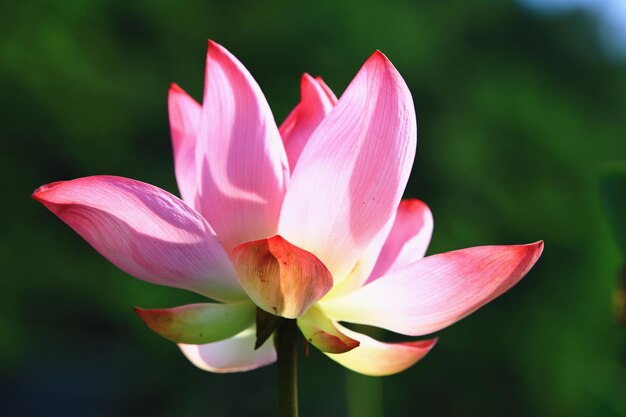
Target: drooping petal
[
  {"x": 350, "y": 177},
  {"x": 240, "y": 159},
  {"x": 408, "y": 240},
  {"x": 199, "y": 323},
  {"x": 322, "y": 333},
  {"x": 436, "y": 291},
  {"x": 297, "y": 128},
  {"x": 146, "y": 232},
  {"x": 184, "y": 114},
  {"x": 279, "y": 277},
  {"x": 376, "y": 358},
  {"x": 236, "y": 354}
]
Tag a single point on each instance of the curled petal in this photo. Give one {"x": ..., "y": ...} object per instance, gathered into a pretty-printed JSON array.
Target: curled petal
[
  {"x": 241, "y": 163},
  {"x": 146, "y": 232},
  {"x": 236, "y": 354},
  {"x": 297, "y": 128},
  {"x": 408, "y": 240},
  {"x": 279, "y": 277},
  {"x": 436, "y": 291},
  {"x": 376, "y": 358},
  {"x": 351, "y": 175},
  {"x": 199, "y": 323},
  {"x": 184, "y": 114},
  {"x": 322, "y": 333}
]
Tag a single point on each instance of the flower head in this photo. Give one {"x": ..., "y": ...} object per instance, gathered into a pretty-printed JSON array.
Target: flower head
[{"x": 303, "y": 222}]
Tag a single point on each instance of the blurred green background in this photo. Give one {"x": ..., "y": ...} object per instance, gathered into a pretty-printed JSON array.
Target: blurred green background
[{"x": 518, "y": 111}]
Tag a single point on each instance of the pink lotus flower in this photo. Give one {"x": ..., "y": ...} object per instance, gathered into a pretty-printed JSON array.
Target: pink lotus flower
[{"x": 304, "y": 221}]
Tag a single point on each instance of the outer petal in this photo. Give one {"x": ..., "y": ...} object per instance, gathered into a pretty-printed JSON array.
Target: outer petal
[
  {"x": 351, "y": 175},
  {"x": 199, "y": 323},
  {"x": 146, "y": 232},
  {"x": 322, "y": 333},
  {"x": 236, "y": 354},
  {"x": 436, "y": 291},
  {"x": 297, "y": 128},
  {"x": 408, "y": 240},
  {"x": 240, "y": 159},
  {"x": 376, "y": 358},
  {"x": 279, "y": 277},
  {"x": 184, "y": 123}
]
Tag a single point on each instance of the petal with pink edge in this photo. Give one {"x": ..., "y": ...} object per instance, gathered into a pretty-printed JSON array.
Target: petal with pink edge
[
  {"x": 322, "y": 333},
  {"x": 236, "y": 354},
  {"x": 408, "y": 240},
  {"x": 297, "y": 128},
  {"x": 351, "y": 175},
  {"x": 146, "y": 232},
  {"x": 240, "y": 159},
  {"x": 376, "y": 358},
  {"x": 199, "y": 323},
  {"x": 184, "y": 114},
  {"x": 279, "y": 277},
  {"x": 436, "y": 291},
  {"x": 329, "y": 93}
]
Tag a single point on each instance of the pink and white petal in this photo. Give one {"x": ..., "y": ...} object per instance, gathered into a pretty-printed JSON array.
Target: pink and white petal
[
  {"x": 236, "y": 354},
  {"x": 408, "y": 240},
  {"x": 199, "y": 323},
  {"x": 329, "y": 93},
  {"x": 376, "y": 358},
  {"x": 322, "y": 333},
  {"x": 297, "y": 128},
  {"x": 240, "y": 159},
  {"x": 351, "y": 175},
  {"x": 145, "y": 231},
  {"x": 279, "y": 277},
  {"x": 436, "y": 291},
  {"x": 184, "y": 114}
]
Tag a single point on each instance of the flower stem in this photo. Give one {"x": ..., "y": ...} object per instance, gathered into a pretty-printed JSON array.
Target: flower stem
[{"x": 286, "y": 349}]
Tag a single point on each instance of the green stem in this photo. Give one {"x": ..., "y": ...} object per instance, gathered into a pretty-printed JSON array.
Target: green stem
[{"x": 286, "y": 336}]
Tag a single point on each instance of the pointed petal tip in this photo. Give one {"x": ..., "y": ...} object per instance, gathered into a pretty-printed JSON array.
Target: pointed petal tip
[{"x": 40, "y": 192}]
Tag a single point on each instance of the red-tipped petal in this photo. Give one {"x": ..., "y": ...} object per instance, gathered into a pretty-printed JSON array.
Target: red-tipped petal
[
  {"x": 376, "y": 358},
  {"x": 321, "y": 332},
  {"x": 146, "y": 232},
  {"x": 279, "y": 277},
  {"x": 351, "y": 175},
  {"x": 199, "y": 323},
  {"x": 297, "y": 128},
  {"x": 436, "y": 291}
]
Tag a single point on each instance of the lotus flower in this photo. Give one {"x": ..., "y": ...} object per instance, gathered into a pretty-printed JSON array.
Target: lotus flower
[{"x": 302, "y": 222}]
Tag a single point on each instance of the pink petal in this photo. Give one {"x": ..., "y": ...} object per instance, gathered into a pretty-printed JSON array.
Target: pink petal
[
  {"x": 240, "y": 159},
  {"x": 199, "y": 323},
  {"x": 297, "y": 128},
  {"x": 436, "y": 291},
  {"x": 322, "y": 333},
  {"x": 184, "y": 123},
  {"x": 236, "y": 354},
  {"x": 279, "y": 277},
  {"x": 146, "y": 232},
  {"x": 408, "y": 240},
  {"x": 376, "y": 358},
  {"x": 329, "y": 93},
  {"x": 351, "y": 175}
]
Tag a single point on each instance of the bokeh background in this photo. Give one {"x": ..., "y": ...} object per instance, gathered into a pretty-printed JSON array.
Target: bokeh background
[{"x": 520, "y": 104}]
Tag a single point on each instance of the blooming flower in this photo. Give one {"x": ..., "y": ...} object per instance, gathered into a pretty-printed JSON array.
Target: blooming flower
[{"x": 304, "y": 221}]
